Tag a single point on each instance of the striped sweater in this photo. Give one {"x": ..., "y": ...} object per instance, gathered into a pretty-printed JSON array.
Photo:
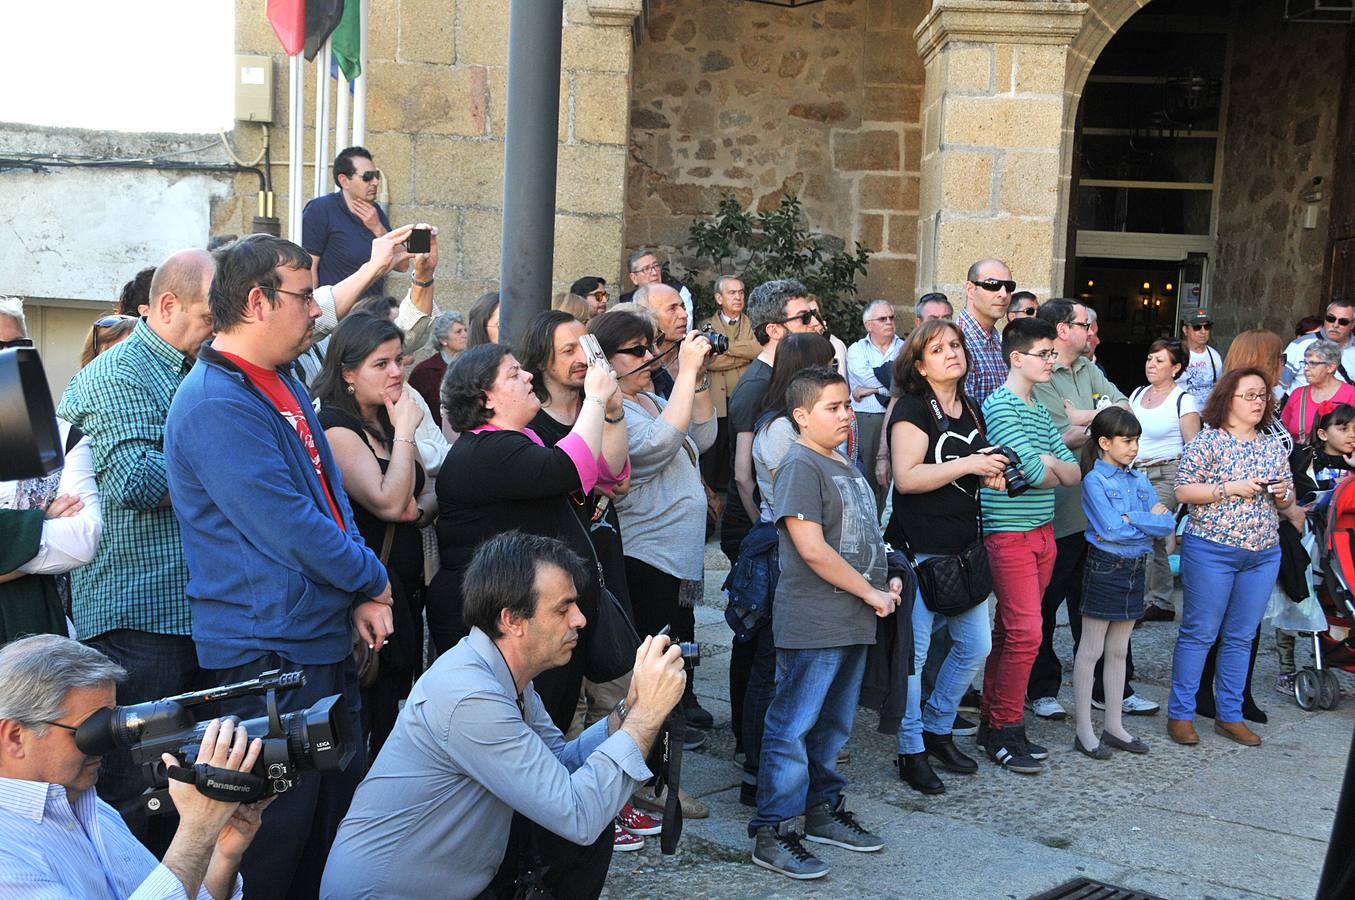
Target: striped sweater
[{"x": 1027, "y": 429}]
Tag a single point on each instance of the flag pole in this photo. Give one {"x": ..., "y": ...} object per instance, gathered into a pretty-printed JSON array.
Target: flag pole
[
  {"x": 360, "y": 86},
  {"x": 322, "y": 80},
  {"x": 296, "y": 140},
  {"x": 341, "y": 114}
]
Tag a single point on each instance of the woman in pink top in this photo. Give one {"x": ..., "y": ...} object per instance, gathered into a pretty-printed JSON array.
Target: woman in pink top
[{"x": 1323, "y": 392}]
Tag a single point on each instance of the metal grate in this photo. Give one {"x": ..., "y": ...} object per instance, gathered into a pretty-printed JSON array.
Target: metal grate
[{"x": 1086, "y": 889}]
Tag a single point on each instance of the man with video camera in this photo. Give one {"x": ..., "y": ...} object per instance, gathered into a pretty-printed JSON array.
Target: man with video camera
[
  {"x": 474, "y": 743},
  {"x": 279, "y": 577},
  {"x": 57, "y": 838}
]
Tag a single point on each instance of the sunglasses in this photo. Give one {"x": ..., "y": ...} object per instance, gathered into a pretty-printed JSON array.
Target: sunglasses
[
  {"x": 1333, "y": 320},
  {"x": 1028, "y": 311},
  {"x": 17, "y": 342},
  {"x": 638, "y": 351},
  {"x": 804, "y": 318},
  {"x": 993, "y": 285},
  {"x": 371, "y": 175},
  {"x": 106, "y": 322},
  {"x": 1206, "y": 326}
]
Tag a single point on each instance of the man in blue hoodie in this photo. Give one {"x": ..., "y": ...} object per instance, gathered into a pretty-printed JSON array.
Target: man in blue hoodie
[{"x": 278, "y": 574}]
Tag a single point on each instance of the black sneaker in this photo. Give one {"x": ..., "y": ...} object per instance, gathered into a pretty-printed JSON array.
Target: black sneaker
[
  {"x": 963, "y": 727},
  {"x": 970, "y": 701},
  {"x": 981, "y": 738},
  {"x": 1007, "y": 748},
  {"x": 779, "y": 849},
  {"x": 1033, "y": 750},
  {"x": 826, "y": 824}
]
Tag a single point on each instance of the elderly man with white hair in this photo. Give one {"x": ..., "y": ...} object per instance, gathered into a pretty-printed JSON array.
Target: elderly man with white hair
[
  {"x": 13, "y": 327},
  {"x": 869, "y": 396}
]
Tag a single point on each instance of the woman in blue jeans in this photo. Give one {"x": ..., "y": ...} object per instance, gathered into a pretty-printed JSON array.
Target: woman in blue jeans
[
  {"x": 935, "y": 435},
  {"x": 1234, "y": 481}
]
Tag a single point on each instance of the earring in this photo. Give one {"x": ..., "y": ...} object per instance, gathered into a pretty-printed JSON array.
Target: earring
[{"x": 350, "y": 389}]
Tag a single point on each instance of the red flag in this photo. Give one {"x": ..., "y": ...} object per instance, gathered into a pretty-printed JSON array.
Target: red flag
[{"x": 288, "y": 18}]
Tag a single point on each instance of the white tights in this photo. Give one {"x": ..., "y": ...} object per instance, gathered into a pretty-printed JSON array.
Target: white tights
[{"x": 1111, "y": 638}]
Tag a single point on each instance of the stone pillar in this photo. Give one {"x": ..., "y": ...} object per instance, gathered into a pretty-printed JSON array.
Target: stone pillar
[{"x": 992, "y": 128}]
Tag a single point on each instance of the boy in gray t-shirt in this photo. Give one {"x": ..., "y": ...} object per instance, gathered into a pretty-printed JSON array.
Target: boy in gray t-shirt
[{"x": 833, "y": 584}]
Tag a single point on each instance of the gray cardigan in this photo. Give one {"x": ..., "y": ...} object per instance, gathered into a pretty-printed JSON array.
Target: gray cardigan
[{"x": 663, "y": 518}]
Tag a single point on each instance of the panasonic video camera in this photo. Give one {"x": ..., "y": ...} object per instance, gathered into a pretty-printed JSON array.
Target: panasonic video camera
[{"x": 317, "y": 739}]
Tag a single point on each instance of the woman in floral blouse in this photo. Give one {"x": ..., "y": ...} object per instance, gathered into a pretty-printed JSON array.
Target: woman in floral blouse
[{"x": 1234, "y": 481}]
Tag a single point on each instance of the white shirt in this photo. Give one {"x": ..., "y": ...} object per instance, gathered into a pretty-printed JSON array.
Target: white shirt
[
  {"x": 70, "y": 542},
  {"x": 1201, "y": 373},
  {"x": 863, "y": 358},
  {"x": 1295, "y": 376},
  {"x": 1161, "y": 438}
]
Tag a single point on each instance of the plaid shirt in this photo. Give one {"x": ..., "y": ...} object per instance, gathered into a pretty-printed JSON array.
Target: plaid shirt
[
  {"x": 120, "y": 401},
  {"x": 987, "y": 369}
]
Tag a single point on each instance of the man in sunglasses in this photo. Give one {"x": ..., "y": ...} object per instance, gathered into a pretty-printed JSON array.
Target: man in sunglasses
[
  {"x": 1336, "y": 326},
  {"x": 592, "y": 288},
  {"x": 1205, "y": 364},
  {"x": 337, "y": 228},
  {"x": 130, "y": 601},
  {"x": 1023, "y": 304},
  {"x": 988, "y": 293}
]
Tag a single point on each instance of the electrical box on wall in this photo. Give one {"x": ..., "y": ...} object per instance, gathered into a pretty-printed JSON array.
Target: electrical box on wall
[{"x": 253, "y": 88}]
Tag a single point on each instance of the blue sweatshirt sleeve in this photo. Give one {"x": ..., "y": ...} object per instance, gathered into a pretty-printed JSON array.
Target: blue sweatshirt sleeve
[{"x": 257, "y": 494}]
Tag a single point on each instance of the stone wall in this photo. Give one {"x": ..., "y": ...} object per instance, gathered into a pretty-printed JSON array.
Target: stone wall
[
  {"x": 437, "y": 83},
  {"x": 756, "y": 100},
  {"x": 1284, "y": 97}
]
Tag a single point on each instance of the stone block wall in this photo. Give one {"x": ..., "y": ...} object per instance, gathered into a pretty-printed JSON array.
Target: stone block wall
[
  {"x": 1284, "y": 96},
  {"x": 758, "y": 101},
  {"x": 437, "y": 85}
]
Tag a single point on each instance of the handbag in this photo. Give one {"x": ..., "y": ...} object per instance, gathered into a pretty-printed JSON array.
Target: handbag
[
  {"x": 368, "y": 659},
  {"x": 609, "y": 651}
]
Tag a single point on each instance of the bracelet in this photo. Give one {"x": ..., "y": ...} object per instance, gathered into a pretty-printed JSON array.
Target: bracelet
[
  {"x": 408, "y": 441},
  {"x": 598, "y": 400},
  {"x": 610, "y": 421},
  {"x": 1223, "y": 491},
  {"x": 418, "y": 283},
  {"x": 621, "y": 711},
  {"x": 705, "y": 384}
]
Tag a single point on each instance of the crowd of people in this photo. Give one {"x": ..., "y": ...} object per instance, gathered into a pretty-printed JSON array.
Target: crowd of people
[{"x": 257, "y": 477}]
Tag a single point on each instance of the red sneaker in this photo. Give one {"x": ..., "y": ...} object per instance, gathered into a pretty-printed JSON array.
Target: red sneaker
[
  {"x": 623, "y": 841},
  {"x": 637, "y": 822}
]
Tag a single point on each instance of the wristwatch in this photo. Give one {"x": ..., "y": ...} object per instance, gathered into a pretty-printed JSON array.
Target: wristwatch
[{"x": 418, "y": 283}]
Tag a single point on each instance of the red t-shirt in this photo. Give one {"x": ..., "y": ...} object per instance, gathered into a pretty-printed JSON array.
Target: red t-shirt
[{"x": 270, "y": 383}]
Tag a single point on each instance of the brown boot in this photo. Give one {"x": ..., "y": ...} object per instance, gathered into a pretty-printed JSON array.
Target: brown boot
[
  {"x": 1182, "y": 731},
  {"x": 1238, "y": 731}
]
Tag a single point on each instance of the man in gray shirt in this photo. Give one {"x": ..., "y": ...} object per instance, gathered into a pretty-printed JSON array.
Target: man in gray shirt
[{"x": 473, "y": 743}]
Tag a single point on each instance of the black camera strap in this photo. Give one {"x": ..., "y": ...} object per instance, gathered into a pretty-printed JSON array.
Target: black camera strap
[
  {"x": 670, "y": 777},
  {"x": 226, "y": 785}
]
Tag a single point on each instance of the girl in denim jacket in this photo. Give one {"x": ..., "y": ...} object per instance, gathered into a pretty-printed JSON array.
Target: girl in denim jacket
[{"x": 1123, "y": 518}]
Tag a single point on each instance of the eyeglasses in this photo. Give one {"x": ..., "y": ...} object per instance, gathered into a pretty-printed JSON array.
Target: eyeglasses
[
  {"x": 1046, "y": 355},
  {"x": 306, "y": 296},
  {"x": 881, "y": 319},
  {"x": 105, "y": 322},
  {"x": 1250, "y": 397},
  {"x": 804, "y": 318},
  {"x": 1307, "y": 363},
  {"x": 370, "y": 175},
  {"x": 17, "y": 342},
  {"x": 646, "y": 270},
  {"x": 995, "y": 284},
  {"x": 1028, "y": 311},
  {"x": 638, "y": 351},
  {"x": 1086, "y": 325},
  {"x": 1333, "y": 320},
  {"x": 71, "y": 728}
]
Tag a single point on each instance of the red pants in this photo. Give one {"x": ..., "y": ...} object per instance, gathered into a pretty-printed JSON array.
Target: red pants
[{"x": 1022, "y": 563}]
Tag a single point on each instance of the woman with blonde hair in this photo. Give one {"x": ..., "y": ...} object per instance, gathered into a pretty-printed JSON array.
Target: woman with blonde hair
[{"x": 573, "y": 304}]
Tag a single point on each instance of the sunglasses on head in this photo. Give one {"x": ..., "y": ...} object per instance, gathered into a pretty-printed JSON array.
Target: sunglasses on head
[
  {"x": 1334, "y": 320},
  {"x": 106, "y": 322},
  {"x": 371, "y": 175},
  {"x": 995, "y": 284}
]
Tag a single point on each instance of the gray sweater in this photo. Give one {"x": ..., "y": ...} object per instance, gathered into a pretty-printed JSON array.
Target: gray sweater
[{"x": 663, "y": 518}]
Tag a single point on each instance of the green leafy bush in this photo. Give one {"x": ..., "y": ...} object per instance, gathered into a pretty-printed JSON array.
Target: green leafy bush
[{"x": 776, "y": 244}]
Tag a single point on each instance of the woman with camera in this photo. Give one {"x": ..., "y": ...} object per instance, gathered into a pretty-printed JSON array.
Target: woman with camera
[
  {"x": 369, "y": 416},
  {"x": 936, "y": 444}
]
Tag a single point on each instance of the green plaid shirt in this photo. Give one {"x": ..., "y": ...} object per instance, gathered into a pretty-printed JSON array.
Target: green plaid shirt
[{"x": 120, "y": 401}]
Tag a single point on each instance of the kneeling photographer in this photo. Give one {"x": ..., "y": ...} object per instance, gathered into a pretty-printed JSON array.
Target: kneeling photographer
[
  {"x": 57, "y": 838},
  {"x": 473, "y": 743}
]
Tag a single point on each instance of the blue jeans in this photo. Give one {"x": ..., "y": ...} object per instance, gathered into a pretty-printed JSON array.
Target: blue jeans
[
  {"x": 1224, "y": 591},
  {"x": 971, "y": 639},
  {"x": 807, "y": 724}
]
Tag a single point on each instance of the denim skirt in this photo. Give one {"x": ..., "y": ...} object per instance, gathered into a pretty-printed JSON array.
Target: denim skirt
[{"x": 1112, "y": 586}]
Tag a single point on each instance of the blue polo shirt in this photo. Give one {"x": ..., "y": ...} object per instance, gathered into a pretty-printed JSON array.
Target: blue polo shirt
[{"x": 330, "y": 231}]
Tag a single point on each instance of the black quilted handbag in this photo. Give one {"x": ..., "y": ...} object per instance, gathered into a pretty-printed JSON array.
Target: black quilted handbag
[{"x": 951, "y": 585}]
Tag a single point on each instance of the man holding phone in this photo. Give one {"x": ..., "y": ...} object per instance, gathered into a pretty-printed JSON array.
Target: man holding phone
[{"x": 337, "y": 228}]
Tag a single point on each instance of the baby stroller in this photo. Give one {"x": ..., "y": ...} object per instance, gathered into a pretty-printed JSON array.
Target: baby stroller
[{"x": 1316, "y": 685}]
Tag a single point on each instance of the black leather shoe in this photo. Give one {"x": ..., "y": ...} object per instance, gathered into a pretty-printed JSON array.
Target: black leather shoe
[
  {"x": 917, "y": 773},
  {"x": 695, "y": 715},
  {"x": 942, "y": 748},
  {"x": 1253, "y": 713}
]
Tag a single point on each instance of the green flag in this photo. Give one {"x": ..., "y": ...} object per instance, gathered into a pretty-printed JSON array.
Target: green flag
[{"x": 345, "y": 41}]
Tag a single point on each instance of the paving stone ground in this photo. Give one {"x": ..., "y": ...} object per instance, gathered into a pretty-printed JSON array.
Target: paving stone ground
[{"x": 1213, "y": 821}]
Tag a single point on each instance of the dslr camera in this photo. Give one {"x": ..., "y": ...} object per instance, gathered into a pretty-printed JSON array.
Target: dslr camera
[
  {"x": 718, "y": 342},
  {"x": 1016, "y": 480},
  {"x": 316, "y": 739}
]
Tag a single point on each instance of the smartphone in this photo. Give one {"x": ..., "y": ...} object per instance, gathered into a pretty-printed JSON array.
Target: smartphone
[
  {"x": 592, "y": 348},
  {"x": 420, "y": 240}
]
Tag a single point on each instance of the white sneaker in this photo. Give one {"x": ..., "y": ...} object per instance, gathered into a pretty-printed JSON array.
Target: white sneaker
[
  {"x": 1048, "y": 708},
  {"x": 1133, "y": 705}
]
